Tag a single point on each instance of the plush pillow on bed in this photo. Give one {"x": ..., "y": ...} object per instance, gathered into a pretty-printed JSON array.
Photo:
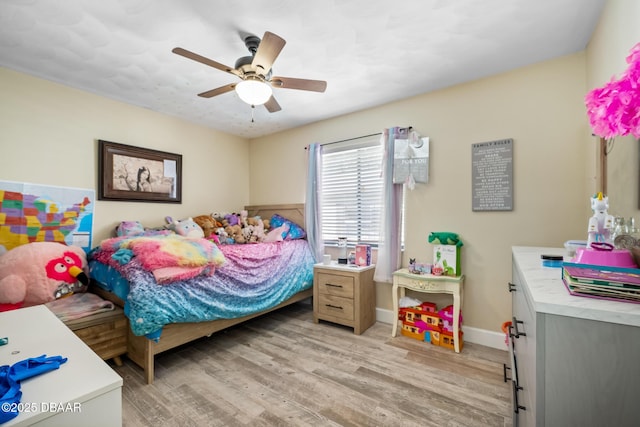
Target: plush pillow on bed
[
  {"x": 135, "y": 228},
  {"x": 295, "y": 231},
  {"x": 130, "y": 228}
]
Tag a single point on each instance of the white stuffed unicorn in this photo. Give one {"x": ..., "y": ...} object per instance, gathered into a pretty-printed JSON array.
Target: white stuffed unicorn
[{"x": 601, "y": 223}]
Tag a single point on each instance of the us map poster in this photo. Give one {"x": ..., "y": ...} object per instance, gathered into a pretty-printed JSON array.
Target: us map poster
[{"x": 43, "y": 213}]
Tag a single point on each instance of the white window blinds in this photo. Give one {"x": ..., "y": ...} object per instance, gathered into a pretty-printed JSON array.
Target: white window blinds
[{"x": 352, "y": 191}]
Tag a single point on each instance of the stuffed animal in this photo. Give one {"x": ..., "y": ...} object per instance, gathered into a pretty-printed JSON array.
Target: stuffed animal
[
  {"x": 207, "y": 223},
  {"x": 231, "y": 219},
  {"x": 223, "y": 236},
  {"x": 40, "y": 272},
  {"x": 277, "y": 234},
  {"x": 235, "y": 232},
  {"x": 247, "y": 233},
  {"x": 130, "y": 228},
  {"x": 186, "y": 228},
  {"x": 258, "y": 230},
  {"x": 244, "y": 216},
  {"x": 444, "y": 238}
]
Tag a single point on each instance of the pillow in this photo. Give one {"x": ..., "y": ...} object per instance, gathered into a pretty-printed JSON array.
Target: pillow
[
  {"x": 295, "y": 231},
  {"x": 129, "y": 229}
]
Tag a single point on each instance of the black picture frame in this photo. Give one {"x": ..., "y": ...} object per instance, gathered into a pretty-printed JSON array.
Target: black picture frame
[{"x": 134, "y": 174}]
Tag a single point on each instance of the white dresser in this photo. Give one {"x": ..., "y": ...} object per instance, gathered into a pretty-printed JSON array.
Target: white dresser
[
  {"x": 575, "y": 360},
  {"x": 83, "y": 391}
]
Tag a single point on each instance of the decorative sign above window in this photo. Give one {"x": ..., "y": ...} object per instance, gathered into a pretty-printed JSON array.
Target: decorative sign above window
[
  {"x": 411, "y": 159},
  {"x": 492, "y": 175}
]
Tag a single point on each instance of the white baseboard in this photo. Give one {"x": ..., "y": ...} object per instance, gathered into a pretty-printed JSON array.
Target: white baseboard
[{"x": 474, "y": 335}]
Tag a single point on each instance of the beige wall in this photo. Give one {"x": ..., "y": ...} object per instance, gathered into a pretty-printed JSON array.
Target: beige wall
[
  {"x": 49, "y": 135},
  {"x": 540, "y": 107},
  {"x": 617, "y": 32}
]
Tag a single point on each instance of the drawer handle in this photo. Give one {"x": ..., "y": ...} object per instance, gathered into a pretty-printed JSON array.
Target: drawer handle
[
  {"x": 335, "y": 286},
  {"x": 512, "y": 287},
  {"x": 334, "y": 306},
  {"x": 514, "y": 326},
  {"x": 505, "y": 368},
  {"x": 516, "y": 405}
]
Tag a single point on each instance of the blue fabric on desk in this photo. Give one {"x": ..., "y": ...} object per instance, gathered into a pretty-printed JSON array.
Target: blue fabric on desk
[{"x": 10, "y": 377}]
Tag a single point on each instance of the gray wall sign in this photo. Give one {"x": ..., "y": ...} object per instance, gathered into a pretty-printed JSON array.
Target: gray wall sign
[{"x": 492, "y": 175}]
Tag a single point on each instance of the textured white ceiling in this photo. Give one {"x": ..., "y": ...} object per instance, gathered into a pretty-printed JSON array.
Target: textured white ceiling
[{"x": 370, "y": 52}]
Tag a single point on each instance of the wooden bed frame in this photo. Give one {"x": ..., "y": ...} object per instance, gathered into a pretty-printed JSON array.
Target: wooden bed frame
[{"x": 142, "y": 350}]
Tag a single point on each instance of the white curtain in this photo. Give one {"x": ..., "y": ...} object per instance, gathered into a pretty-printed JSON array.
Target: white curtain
[
  {"x": 391, "y": 213},
  {"x": 312, "y": 204}
]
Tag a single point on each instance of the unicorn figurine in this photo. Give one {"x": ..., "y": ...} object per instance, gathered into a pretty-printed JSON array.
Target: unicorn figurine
[{"x": 601, "y": 223}]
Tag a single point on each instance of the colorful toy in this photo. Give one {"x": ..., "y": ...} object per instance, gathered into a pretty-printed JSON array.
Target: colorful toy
[
  {"x": 231, "y": 219},
  {"x": 444, "y": 238},
  {"x": 130, "y": 228},
  {"x": 277, "y": 234},
  {"x": 186, "y": 228},
  {"x": 446, "y": 314},
  {"x": 207, "y": 223},
  {"x": 601, "y": 223},
  {"x": 40, "y": 272},
  {"x": 424, "y": 322}
]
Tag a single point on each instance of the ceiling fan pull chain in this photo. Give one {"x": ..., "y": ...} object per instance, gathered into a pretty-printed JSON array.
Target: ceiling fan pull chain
[{"x": 253, "y": 107}]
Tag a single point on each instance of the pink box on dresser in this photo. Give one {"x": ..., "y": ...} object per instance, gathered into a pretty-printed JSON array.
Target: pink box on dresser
[{"x": 363, "y": 255}]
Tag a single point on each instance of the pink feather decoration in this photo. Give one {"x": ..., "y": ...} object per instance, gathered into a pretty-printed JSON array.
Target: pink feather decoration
[{"x": 614, "y": 109}]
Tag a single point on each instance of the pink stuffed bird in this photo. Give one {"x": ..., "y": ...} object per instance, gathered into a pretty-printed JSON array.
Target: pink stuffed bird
[{"x": 40, "y": 272}]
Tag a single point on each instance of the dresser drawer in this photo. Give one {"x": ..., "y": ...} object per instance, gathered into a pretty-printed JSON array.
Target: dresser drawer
[
  {"x": 336, "y": 285},
  {"x": 338, "y": 307}
]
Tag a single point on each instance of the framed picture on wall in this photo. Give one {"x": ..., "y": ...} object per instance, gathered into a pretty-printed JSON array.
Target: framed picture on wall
[{"x": 137, "y": 174}]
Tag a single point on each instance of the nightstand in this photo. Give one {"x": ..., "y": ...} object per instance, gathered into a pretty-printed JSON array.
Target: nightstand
[
  {"x": 105, "y": 333},
  {"x": 344, "y": 294}
]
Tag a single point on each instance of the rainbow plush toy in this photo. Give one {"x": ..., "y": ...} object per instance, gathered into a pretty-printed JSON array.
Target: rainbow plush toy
[{"x": 40, "y": 272}]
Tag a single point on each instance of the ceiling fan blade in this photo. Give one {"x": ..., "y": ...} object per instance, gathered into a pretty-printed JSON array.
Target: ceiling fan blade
[
  {"x": 272, "y": 105},
  {"x": 268, "y": 50},
  {"x": 300, "y": 84},
  {"x": 218, "y": 91},
  {"x": 206, "y": 61}
]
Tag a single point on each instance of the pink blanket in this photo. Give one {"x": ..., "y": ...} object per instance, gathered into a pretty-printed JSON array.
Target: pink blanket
[
  {"x": 77, "y": 306},
  {"x": 168, "y": 257}
]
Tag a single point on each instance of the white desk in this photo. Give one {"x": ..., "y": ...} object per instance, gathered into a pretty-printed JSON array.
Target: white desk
[
  {"x": 429, "y": 283},
  {"x": 83, "y": 391}
]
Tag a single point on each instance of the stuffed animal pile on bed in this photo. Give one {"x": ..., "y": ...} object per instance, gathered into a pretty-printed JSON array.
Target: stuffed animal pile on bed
[
  {"x": 230, "y": 228},
  {"x": 234, "y": 228}
]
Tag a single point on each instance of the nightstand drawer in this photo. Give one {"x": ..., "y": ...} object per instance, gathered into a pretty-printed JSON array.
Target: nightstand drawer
[
  {"x": 329, "y": 305},
  {"x": 105, "y": 333},
  {"x": 334, "y": 284}
]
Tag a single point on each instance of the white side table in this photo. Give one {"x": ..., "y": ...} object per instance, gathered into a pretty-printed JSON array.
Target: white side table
[
  {"x": 83, "y": 391},
  {"x": 429, "y": 283}
]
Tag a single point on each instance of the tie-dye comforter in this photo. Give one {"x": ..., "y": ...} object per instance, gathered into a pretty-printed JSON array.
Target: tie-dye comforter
[{"x": 253, "y": 278}]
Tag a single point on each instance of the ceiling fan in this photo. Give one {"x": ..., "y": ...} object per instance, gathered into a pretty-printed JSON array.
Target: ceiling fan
[{"x": 254, "y": 71}]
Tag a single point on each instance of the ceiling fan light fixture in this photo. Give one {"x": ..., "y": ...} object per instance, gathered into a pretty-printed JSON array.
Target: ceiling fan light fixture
[{"x": 254, "y": 92}]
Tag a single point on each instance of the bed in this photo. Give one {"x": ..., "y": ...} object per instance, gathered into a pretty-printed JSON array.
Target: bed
[{"x": 281, "y": 277}]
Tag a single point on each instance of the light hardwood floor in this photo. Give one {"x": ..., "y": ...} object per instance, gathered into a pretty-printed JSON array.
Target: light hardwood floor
[{"x": 284, "y": 370}]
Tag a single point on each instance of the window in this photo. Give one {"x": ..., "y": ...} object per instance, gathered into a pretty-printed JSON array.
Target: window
[{"x": 351, "y": 191}]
